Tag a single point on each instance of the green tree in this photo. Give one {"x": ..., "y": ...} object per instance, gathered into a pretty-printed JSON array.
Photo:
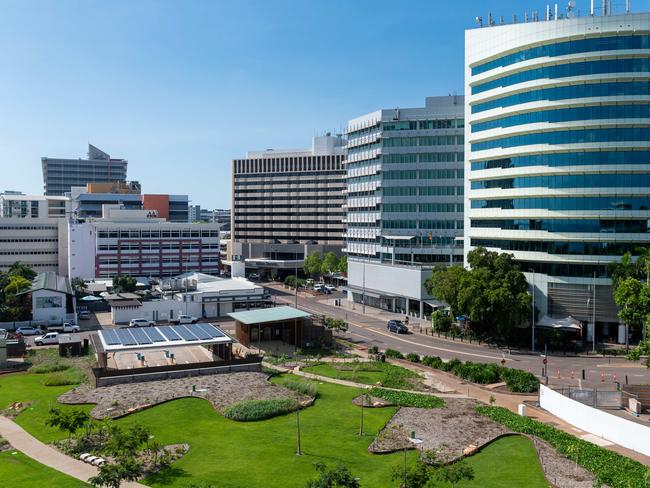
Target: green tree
[
  {"x": 126, "y": 442},
  {"x": 445, "y": 283},
  {"x": 20, "y": 269},
  {"x": 112, "y": 474},
  {"x": 68, "y": 420},
  {"x": 633, "y": 300},
  {"x": 454, "y": 472},
  {"x": 441, "y": 321},
  {"x": 342, "y": 266},
  {"x": 338, "y": 477},
  {"x": 313, "y": 264},
  {"x": 15, "y": 285},
  {"x": 124, "y": 284},
  {"x": 329, "y": 264},
  {"x": 79, "y": 285}
]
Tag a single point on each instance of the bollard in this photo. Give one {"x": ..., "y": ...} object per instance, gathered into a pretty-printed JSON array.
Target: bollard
[
  {"x": 626, "y": 379},
  {"x": 602, "y": 377},
  {"x": 583, "y": 374},
  {"x": 614, "y": 377},
  {"x": 573, "y": 374},
  {"x": 558, "y": 373}
]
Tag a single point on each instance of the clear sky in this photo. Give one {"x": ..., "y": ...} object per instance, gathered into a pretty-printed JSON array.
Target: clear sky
[{"x": 179, "y": 88}]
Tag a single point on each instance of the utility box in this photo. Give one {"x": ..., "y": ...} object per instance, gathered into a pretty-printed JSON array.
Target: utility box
[{"x": 521, "y": 409}]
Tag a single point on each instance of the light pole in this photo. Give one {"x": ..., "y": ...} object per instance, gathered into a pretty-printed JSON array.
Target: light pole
[
  {"x": 363, "y": 296},
  {"x": 593, "y": 318},
  {"x": 532, "y": 318},
  {"x": 296, "y": 283},
  {"x": 299, "y": 451}
]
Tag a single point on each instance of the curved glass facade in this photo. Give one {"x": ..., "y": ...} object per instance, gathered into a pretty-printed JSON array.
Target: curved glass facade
[
  {"x": 582, "y": 90},
  {"x": 585, "y": 158},
  {"x": 574, "y": 46},
  {"x": 601, "y": 180},
  {"x": 634, "y": 65},
  {"x": 614, "y": 202}
]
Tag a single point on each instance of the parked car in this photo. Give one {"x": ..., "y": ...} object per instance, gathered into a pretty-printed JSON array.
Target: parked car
[
  {"x": 184, "y": 319},
  {"x": 49, "y": 338},
  {"x": 253, "y": 276},
  {"x": 83, "y": 315},
  {"x": 141, "y": 323},
  {"x": 28, "y": 331},
  {"x": 397, "y": 327},
  {"x": 330, "y": 287},
  {"x": 66, "y": 327}
]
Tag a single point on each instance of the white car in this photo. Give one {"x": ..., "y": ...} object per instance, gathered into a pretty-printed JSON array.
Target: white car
[
  {"x": 330, "y": 287},
  {"x": 184, "y": 319},
  {"x": 27, "y": 331},
  {"x": 49, "y": 338},
  {"x": 141, "y": 323}
]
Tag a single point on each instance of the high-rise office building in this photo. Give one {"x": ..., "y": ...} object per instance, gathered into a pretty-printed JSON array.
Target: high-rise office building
[
  {"x": 558, "y": 153},
  {"x": 404, "y": 201},
  {"x": 288, "y": 203},
  {"x": 21, "y": 206},
  {"x": 60, "y": 175}
]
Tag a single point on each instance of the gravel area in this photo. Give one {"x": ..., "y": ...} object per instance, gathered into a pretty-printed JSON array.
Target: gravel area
[
  {"x": 458, "y": 429},
  {"x": 221, "y": 390},
  {"x": 451, "y": 429},
  {"x": 371, "y": 402}
]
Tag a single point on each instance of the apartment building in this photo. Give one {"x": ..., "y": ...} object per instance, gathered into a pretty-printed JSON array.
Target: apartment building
[
  {"x": 405, "y": 185},
  {"x": 134, "y": 243},
  {"x": 33, "y": 241},
  {"x": 558, "y": 154},
  {"x": 60, "y": 175},
  {"x": 19, "y": 206},
  {"x": 288, "y": 203}
]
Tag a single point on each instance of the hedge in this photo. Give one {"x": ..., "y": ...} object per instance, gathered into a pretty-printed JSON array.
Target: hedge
[
  {"x": 609, "y": 467},
  {"x": 405, "y": 399},
  {"x": 392, "y": 353},
  {"x": 516, "y": 380},
  {"x": 251, "y": 410},
  {"x": 302, "y": 387}
]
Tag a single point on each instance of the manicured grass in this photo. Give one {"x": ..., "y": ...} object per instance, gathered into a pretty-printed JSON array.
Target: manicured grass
[
  {"x": 368, "y": 373},
  {"x": 508, "y": 462},
  {"x": 18, "y": 470}
]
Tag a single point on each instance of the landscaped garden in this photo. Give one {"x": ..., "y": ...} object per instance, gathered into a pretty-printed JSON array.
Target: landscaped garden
[
  {"x": 368, "y": 373},
  {"x": 18, "y": 470}
]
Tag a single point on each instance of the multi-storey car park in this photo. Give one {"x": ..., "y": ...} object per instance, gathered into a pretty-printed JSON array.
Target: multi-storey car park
[
  {"x": 558, "y": 154},
  {"x": 404, "y": 201}
]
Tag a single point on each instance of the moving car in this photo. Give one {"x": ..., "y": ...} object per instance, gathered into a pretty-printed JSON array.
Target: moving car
[
  {"x": 397, "y": 327},
  {"x": 184, "y": 319},
  {"x": 27, "y": 331},
  {"x": 83, "y": 315},
  {"x": 141, "y": 323},
  {"x": 49, "y": 338}
]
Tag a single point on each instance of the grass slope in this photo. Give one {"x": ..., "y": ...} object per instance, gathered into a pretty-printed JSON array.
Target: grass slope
[
  {"x": 19, "y": 470},
  {"x": 368, "y": 373}
]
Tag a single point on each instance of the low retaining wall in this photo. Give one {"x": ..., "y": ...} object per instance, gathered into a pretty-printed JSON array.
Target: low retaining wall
[
  {"x": 623, "y": 432},
  {"x": 167, "y": 375}
]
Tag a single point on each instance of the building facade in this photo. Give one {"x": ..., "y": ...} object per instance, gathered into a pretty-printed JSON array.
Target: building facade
[
  {"x": 558, "y": 153},
  {"x": 20, "y": 206},
  {"x": 287, "y": 203},
  {"x": 405, "y": 170},
  {"x": 34, "y": 242},
  {"x": 133, "y": 243},
  {"x": 60, "y": 175}
]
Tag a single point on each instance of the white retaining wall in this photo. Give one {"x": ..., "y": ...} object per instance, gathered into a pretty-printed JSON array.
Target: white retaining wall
[{"x": 615, "y": 429}]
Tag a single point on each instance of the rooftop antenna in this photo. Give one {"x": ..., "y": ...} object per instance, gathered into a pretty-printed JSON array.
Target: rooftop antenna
[
  {"x": 604, "y": 8},
  {"x": 490, "y": 19},
  {"x": 479, "y": 21},
  {"x": 591, "y": 8},
  {"x": 514, "y": 18},
  {"x": 548, "y": 12},
  {"x": 526, "y": 16},
  {"x": 536, "y": 16},
  {"x": 627, "y": 6},
  {"x": 556, "y": 13},
  {"x": 501, "y": 22}
]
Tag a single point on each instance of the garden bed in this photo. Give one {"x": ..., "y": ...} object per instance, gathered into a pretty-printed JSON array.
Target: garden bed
[{"x": 221, "y": 390}]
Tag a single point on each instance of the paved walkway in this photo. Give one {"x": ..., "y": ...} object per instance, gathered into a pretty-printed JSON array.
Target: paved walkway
[{"x": 47, "y": 455}]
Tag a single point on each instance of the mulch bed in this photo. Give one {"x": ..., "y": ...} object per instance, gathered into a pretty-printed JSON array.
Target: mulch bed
[
  {"x": 457, "y": 430},
  {"x": 221, "y": 390}
]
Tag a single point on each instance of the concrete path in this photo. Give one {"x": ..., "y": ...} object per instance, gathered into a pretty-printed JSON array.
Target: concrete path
[{"x": 47, "y": 455}]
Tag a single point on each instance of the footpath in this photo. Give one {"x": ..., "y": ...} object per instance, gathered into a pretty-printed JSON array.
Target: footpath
[{"x": 47, "y": 455}]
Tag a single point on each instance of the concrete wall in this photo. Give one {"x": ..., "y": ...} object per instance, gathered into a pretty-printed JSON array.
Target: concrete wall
[
  {"x": 404, "y": 281},
  {"x": 45, "y": 306},
  {"x": 81, "y": 251},
  {"x": 597, "y": 422}
]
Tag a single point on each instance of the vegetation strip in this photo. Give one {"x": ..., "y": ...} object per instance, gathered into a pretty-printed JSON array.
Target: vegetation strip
[
  {"x": 407, "y": 399},
  {"x": 609, "y": 467}
]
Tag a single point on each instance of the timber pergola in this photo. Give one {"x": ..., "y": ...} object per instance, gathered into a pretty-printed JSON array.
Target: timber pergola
[{"x": 278, "y": 323}]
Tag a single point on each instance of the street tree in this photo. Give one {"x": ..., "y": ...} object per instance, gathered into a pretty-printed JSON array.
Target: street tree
[
  {"x": 445, "y": 283},
  {"x": 633, "y": 300},
  {"x": 313, "y": 264},
  {"x": 329, "y": 264},
  {"x": 342, "y": 264}
]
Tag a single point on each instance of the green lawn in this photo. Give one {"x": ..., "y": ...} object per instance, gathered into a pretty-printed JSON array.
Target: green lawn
[
  {"x": 368, "y": 373},
  {"x": 18, "y": 470},
  {"x": 231, "y": 454},
  {"x": 509, "y": 462}
]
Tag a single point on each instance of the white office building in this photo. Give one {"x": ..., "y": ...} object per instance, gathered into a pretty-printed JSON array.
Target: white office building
[
  {"x": 19, "y": 206},
  {"x": 34, "y": 242},
  {"x": 558, "y": 153},
  {"x": 404, "y": 202}
]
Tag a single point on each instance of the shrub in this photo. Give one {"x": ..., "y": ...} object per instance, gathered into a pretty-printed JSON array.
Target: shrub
[
  {"x": 609, "y": 467},
  {"x": 432, "y": 361},
  {"x": 392, "y": 353},
  {"x": 414, "y": 358},
  {"x": 58, "y": 379},
  {"x": 519, "y": 381},
  {"x": 251, "y": 410},
  {"x": 302, "y": 387},
  {"x": 49, "y": 368},
  {"x": 399, "y": 378},
  {"x": 450, "y": 365},
  {"x": 406, "y": 399},
  {"x": 373, "y": 350}
]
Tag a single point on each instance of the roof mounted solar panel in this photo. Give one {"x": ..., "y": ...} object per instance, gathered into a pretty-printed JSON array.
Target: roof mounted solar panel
[
  {"x": 140, "y": 336},
  {"x": 185, "y": 333},
  {"x": 169, "y": 332},
  {"x": 154, "y": 334},
  {"x": 125, "y": 337},
  {"x": 210, "y": 329},
  {"x": 110, "y": 337},
  {"x": 199, "y": 332}
]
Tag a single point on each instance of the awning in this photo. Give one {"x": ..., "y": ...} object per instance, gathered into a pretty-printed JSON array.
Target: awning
[
  {"x": 436, "y": 303},
  {"x": 90, "y": 298},
  {"x": 265, "y": 315},
  {"x": 399, "y": 238},
  {"x": 567, "y": 323}
]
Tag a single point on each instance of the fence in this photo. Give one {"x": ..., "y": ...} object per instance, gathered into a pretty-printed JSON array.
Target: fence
[
  {"x": 24, "y": 323},
  {"x": 594, "y": 397}
]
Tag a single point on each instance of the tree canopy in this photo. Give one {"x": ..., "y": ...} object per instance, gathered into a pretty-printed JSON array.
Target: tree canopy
[
  {"x": 493, "y": 293},
  {"x": 330, "y": 263},
  {"x": 124, "y": 284},
  {"x": 313, "y": 264}
]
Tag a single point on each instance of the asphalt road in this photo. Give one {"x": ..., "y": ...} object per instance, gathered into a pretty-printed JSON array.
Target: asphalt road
[{"x": 371, "y": 331}]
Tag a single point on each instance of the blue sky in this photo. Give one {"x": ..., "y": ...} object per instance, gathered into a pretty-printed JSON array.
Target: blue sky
[{"x": 181, "y": 88}]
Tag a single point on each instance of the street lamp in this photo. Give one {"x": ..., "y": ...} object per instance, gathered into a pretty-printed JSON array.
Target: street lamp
[{"x": 532, "y": 320}]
